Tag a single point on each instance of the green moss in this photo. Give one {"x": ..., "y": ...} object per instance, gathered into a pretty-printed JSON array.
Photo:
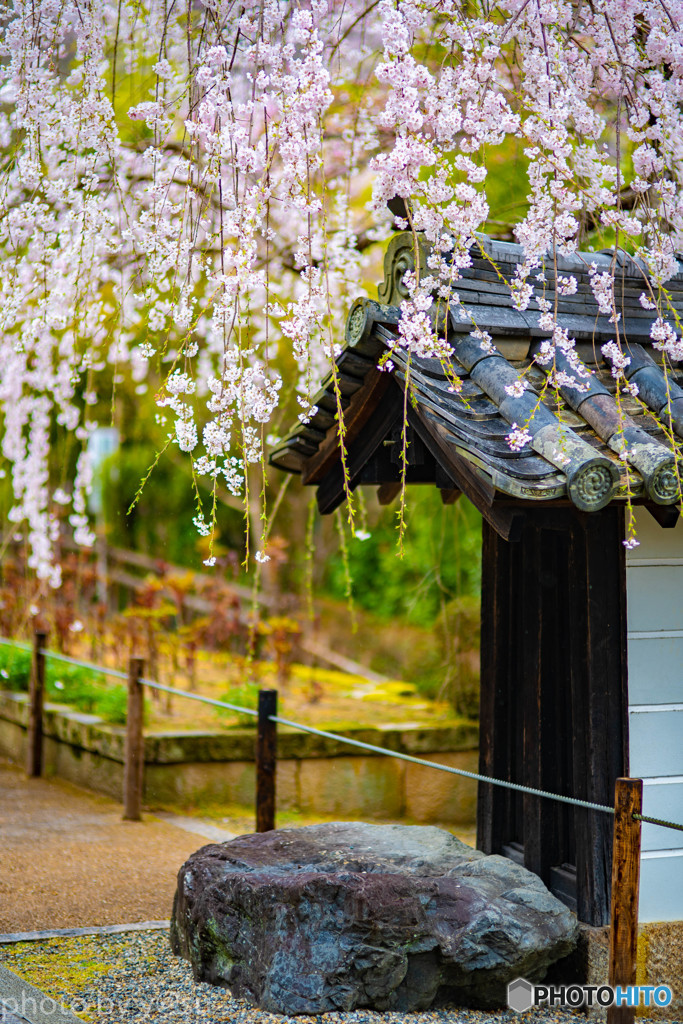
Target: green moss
[{"x": 60, "y": 968}]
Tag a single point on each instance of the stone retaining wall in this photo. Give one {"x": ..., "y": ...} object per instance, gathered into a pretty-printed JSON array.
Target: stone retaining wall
[{"x": 315, "y": 775}]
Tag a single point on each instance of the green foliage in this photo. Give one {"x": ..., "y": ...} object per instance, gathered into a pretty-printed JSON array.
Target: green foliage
[
  {"x": 507, "y": 186},
  {"x": 441, "y": 560},
  {"x": 460, "y": 684},
  {"x": 161, "y": 520},
  {"x": 422, "y": 610},
  {"x": 245, "y": 696},
  {"x": 73, "y": 685},
  {"x": 441, "y": 660},
  {"x": 112, "y": 705},
  {"x": 65, "y": 684},
  {"x": 15, "y": 669}
]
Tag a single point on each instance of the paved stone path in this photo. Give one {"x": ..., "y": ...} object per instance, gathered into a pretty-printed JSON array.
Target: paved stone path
[{"x": 67, "y": 859}]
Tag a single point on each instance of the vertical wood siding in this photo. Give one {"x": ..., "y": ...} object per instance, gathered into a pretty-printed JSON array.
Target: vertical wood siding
[{"x": 654, "y": 573}]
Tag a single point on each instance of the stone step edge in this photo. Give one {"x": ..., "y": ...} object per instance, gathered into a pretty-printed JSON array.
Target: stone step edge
[
  {"x": 103, "y": 929},
  {"x": 21, "y": 1003}
]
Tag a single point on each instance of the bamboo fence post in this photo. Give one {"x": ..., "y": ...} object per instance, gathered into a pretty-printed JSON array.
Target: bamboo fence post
[
  {"x": 266, "y": 761},
  {"x": 34, "y": 754},
  {"x": 623, "y": 936},
  {"x": 134, "y": 756}
]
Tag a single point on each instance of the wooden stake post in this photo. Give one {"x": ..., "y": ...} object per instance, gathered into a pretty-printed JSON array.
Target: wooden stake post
[
  {"x": 34, "y": 757},
  {"x": 266, "y": 761},
  {"x": 623, "y": 939},
  {"x": 134, "y": 762}
]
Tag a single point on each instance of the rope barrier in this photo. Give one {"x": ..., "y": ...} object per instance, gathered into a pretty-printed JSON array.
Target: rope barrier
[
  {"x": 85, "y": 664},
  {"x": 658, "y": 821},
  {"x": 445, "y": 768},
  {"x": 199, "y": 697},
  {"x": 586, "y": 804},
  {"x": 13, "y": 643}
]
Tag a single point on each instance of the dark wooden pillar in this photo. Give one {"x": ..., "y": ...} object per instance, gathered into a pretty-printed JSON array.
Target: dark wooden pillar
[
  {"x": 134, "y": 749},
  {"x": 34, "y": 757},
  {"x": 553, "y": 696},
  {"x": 543, "y": 679},
  {"x": 495, "y": 805},
  {"x": 266, "y": 760},
  {"x": 599, "y": 696}
]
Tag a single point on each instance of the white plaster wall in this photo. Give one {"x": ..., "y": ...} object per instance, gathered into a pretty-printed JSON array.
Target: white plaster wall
[{"x": 654, "y": 580}]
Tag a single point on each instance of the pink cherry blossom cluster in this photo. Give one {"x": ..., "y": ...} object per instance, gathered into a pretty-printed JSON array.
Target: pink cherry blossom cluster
[
  {"x": 518, "y": 437},
  {"x": 620, "y": 362},
  {"x": 184, "y": 200}
]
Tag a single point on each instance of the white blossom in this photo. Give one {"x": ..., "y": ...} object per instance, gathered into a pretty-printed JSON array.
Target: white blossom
[{"x": 202, "y": 239}]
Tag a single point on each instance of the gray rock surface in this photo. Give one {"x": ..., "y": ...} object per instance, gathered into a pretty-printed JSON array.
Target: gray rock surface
[{"x": 345, "y": 915}]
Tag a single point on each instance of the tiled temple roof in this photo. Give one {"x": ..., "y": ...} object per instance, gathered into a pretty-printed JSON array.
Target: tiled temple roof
[{"x": 460, "y": 414}]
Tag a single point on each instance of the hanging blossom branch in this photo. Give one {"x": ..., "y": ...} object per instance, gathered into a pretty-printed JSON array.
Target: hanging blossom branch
[{"x": 191, "y": 210}]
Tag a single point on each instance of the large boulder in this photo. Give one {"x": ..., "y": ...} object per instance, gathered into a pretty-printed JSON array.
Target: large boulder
[{"x": 346, "y": 915}]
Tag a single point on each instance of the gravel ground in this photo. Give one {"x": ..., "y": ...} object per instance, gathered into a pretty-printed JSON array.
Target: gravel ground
[{"x": 134, "y": 978}]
